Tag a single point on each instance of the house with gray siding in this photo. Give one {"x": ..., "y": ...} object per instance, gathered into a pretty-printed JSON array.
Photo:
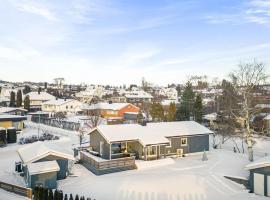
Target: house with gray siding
[
  {"x": 259, "y": 176},
  {"x": 145, "y": 142},
  {"x": 43, "y": 164}
]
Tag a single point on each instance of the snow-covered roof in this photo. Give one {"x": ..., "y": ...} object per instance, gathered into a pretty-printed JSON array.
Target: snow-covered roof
[
  {"x": 43, "y": 167},
  {"x": 263, "y": 162},
  {"x": 105, "y": 106},
  {"x": 42, "y": 96},
  {"x": 262, "y": 106},
  {"x": 4, "y": 99},
  {"x": 167, "y": 102},
  {"x": 152, "y": 133},
  {"x": 211, "y": 116},
  {"x": 10, "y": 109},
  {"x": 267, "y": 117},
  {"x": 58, "y": 102},
  {"x": 38, "y": 150},
  {"x": 138, "y": 94},
  {"x": 9, "y": 117}
]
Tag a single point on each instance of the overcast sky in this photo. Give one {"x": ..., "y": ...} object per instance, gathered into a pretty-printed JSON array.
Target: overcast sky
[{"x": 121, "y": 41}]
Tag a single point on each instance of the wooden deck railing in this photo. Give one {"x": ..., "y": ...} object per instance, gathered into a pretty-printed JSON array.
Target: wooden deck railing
[
  {"x": 26, "y": 192},
  {"x": 107, "y": 164}
]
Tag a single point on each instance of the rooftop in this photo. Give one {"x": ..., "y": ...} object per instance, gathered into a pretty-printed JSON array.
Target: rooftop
[
  {"x": 105, "y": 106},
  {"x": 42, "y": 96},
  {"x": 43, "y": 167},
  {"x": 35, "y": 151},
  {"x": 263, "y": 162},
  {"x": 58, "y": 102},
  {"x": 152, "y": 133}
]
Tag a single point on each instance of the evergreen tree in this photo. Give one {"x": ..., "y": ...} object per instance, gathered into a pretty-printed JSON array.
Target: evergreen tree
[
  {"x": 26, "y": 89},
  {"x": 157, "y": 111},
  {"x": 77, "y": 197},
  {"x": 36, "y": 193},
  {"x": 26, "y": 103},
  {"x": 39, "y": 90},
  {"x": 60, "y": 195},
  {"x": 45, "y": 194},
  {"x": 12, "y": 99},
  {"x": 19, "y": 98},
  {"x": 185, "y": 110},
  {"x": 50, "y": 195},
  {"x": 45, "y": 85},
  {"x": 171, "y": 113},
  {"x": 66, "y": 197},
  {"x": 198, "y": 109},
  {"x": 70, "y": 197}
]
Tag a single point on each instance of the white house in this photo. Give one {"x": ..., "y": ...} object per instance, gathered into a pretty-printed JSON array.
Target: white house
[
  {"x": 62, "y": 105},
  {"x": 37, "y": 98},
  {"x": 170, "y": 93}
]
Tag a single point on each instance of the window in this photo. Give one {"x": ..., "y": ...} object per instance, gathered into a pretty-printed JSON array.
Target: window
[{"x": 183, "y": 141}]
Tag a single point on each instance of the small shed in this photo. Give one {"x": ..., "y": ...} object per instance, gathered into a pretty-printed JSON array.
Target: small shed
[
  {"x": 259, "y": 178},
  {"x": 42, "y": 174},
  {"x": 42, "y": 152},
  {"x": 7, "y": 120}
]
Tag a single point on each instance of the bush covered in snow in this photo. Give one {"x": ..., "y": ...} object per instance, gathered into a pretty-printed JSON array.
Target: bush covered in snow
[{"x": 35, "y": 138}]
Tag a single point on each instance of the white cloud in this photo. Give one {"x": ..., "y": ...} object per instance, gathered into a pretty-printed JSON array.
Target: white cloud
[{"x": 35, "y": 8}]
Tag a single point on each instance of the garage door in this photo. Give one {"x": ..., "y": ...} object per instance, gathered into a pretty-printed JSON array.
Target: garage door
[{"x": 259, "y": 184}]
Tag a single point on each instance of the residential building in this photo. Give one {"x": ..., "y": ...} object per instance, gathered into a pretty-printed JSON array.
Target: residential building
[
  {"x": 43, "y": 164},
  {"x": 113, "y": 112},
  {"x": 37, "y": 98},
  {"x": 15, "y": 121},
  {"x": 146, "y": 142},
  {"x": 138, "y": 97},
  {"x": 69, "y": 106},
  {"x": 259, "y": 177}
]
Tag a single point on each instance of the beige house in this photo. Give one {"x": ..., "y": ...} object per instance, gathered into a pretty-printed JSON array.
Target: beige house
[
  {"x": 37, "y": 98},
  {"x": 68, "y": 106}
]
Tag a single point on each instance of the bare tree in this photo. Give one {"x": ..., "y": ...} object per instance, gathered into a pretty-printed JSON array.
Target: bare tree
[{"x": 246, "y": 79}]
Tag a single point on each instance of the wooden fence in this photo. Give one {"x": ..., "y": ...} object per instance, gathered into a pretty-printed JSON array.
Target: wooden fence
[
  {"x": 113, "y": 165},
  {"x": 26, "y": 192}
]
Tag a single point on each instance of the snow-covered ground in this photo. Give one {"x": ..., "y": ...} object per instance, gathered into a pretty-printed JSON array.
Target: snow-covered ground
[{"x": 187, "y": 178}]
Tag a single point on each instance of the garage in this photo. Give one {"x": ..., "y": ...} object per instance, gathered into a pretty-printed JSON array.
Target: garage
[{"x": 259, "y": 176}]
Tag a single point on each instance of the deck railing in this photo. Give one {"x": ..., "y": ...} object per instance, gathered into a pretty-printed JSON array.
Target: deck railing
[
  {"x": 101, "y": 164},
  {"x": 26, "y": 192}
]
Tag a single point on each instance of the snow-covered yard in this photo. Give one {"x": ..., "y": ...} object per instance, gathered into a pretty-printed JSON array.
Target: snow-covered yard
[
  {"x": 187, "y": 178},
  {"x": 180, "y": 178}
]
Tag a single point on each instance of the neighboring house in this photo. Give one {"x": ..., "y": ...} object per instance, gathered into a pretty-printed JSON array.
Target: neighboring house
[
  {"x": 43, "y": 164},
  {"x": 118, "y": 99},
  {"x": 61, "y": 105},
  {"x": 36, "y": 99},
  {"x": 138, "y": 97},
  {"x": 170, "y": 93},
  {"x": 149, "y": 141},
  {"x": 13, "y": 110},
  {"x": 90, "y": 92},
  {"x": 110, "y": 111},
  {"x": 259, "y": 178},
  {"x": 4, "y": 101},
  {"x": 7, "y": 121}
]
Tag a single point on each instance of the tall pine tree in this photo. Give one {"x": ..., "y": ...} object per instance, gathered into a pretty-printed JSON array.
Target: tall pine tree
[
  {"x": 19, "y": 98},
  {"x": 12, "y": 99},
  {"x": 171, "y": 113},
  {"x": 26, "y": 103},
  {"x": 185, "y": 110},
  {"x": 157, "y": 111},
  {"x": 198, "y": 108}
]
